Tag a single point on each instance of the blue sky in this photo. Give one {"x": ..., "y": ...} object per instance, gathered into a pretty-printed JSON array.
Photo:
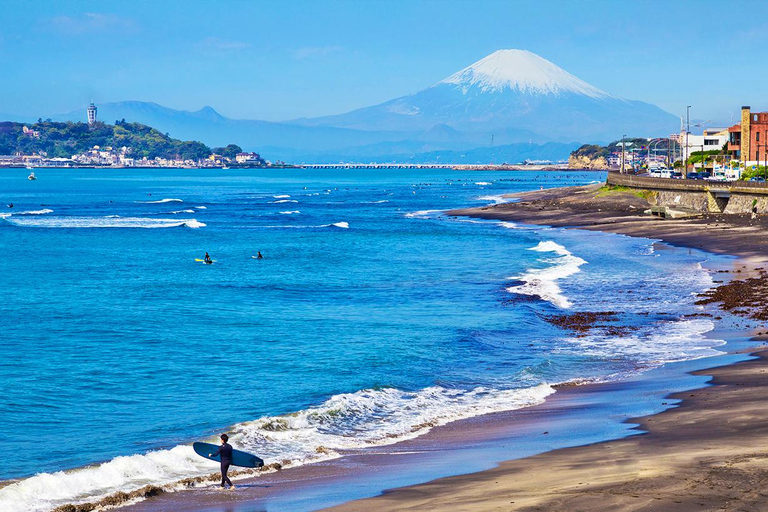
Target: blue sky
[{"x": 285, "y": 59}]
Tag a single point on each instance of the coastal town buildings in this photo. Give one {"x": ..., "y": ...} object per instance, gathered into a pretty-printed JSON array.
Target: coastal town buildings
[{"x": 748, "y": 140}]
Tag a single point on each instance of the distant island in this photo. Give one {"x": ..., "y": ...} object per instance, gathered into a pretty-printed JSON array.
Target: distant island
[{"x": 76, "y": 144}]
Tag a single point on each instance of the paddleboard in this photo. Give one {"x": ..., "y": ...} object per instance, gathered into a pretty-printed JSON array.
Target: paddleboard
[
  {"x": 203, "y": 261},
  {"x": 242, "y": 459}
]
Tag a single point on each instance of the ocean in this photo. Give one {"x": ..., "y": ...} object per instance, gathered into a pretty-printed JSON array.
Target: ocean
[{"x": 372, "y": 318}]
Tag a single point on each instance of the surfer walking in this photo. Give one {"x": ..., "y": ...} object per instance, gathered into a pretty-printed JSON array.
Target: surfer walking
[{"x": 225, "y": 450}]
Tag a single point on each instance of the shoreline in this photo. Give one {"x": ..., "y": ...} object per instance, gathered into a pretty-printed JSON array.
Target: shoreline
[
  {"x": 579, "y": 207},
  {"x": 698, "y": 454},
  {"x": 690, "y": 456}
]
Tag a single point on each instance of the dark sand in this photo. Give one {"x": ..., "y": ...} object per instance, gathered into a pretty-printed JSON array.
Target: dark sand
[{"x": 707, "y": 454}]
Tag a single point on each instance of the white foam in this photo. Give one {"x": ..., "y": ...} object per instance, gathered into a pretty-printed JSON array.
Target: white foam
[
  {"x": 483, "y": 183},
  {"x": 422, "y": 214},
  {"x": 375, "y": 202},
  {"x": 35, "y": 212},
  {"x": 290, "y": 212},
  {"x": 348, "y": 421},
  {"x": 200, "y": 207},
  {"x": 671, "y": 341},
  {"x": 543, "y": 282},
  {"x": 343, "y": 225},
  {"x": 162, "y": 201},
  {"x": 285, "y": 201},
  {"x": 112, "y": 221},
  {"x": 182, "y": 211},
  {"x": 496, "y": 199},
  {"x": 281, "y": 197}
]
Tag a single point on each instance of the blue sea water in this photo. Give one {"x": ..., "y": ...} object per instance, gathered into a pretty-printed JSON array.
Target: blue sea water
[{"x": 372, "y": 317}]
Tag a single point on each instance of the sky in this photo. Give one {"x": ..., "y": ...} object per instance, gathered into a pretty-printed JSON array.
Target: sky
[{"x": 280, "y": 60}]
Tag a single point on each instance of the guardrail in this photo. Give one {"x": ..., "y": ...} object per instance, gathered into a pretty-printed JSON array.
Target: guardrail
[{"x": 646, "y": 182}]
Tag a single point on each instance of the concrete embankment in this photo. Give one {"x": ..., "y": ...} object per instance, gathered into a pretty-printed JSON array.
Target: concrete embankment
[{"x": 699, "y": 195}]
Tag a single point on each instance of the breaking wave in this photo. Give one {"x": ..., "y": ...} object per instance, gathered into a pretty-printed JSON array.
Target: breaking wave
[
  {"x": 284, "y": 201},
  {"x": 35, "y": 212},
  {"x": 162, "y": 201},
  {"x": 371, "y": 417},
  {"x": 112, "y": 221},
  {"x": 543, "y": 282},
  {"x": 422, "y": 214}
]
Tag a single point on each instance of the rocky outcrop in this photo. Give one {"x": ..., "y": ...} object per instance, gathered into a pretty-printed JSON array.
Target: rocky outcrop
[{"x": 585, "y": 162}]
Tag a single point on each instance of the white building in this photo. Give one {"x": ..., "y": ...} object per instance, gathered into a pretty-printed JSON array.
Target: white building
[
  {"x": 710, "y": 140},
  {"x": 247, "y": 158}
]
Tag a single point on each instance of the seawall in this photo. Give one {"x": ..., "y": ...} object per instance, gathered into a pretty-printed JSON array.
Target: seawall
[{"x": 700, "y": 195}]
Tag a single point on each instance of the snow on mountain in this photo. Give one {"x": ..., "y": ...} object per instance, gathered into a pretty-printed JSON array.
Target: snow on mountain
[
  {"x": 521, "y": 71},
  {"x": 514, "y": 96}
]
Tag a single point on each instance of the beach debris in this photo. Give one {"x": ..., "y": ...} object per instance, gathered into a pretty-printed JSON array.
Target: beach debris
[
  {"x": 583, "y": 321},
  {"x": 113, "y": 500},
  {"x": 743, "y": 297}
]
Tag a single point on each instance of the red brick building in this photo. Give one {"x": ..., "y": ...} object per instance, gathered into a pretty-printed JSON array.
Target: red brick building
[{"x": 748, "y": 141}]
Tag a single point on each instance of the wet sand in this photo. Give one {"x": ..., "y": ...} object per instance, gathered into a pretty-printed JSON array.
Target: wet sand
[{"x": 707, "y": 454}]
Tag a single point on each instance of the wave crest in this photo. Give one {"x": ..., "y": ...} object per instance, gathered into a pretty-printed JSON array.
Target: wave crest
[{"x": 543, "y": 282}]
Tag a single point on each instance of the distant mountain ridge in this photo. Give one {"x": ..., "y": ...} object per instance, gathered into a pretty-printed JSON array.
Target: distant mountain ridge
[
  {"x": 508, "y": 92},
  {"x": 507, "y": 98}
]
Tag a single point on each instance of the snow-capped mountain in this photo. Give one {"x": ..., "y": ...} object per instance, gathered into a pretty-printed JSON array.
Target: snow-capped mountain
[
  {"x": 523, "y": 72},
  {"x": 511, "y": 94}
]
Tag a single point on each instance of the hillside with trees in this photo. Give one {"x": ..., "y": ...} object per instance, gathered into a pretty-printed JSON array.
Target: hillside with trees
[{"x": 64, "y": 139}]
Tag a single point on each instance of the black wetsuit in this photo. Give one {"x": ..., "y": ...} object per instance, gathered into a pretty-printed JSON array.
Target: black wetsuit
[{"x": 225, "y": 451}]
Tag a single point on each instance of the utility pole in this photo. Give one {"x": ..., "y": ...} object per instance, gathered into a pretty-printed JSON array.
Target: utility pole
[
  {"x": 687, "y": 148},
  {"x": 623, "y": 150}
]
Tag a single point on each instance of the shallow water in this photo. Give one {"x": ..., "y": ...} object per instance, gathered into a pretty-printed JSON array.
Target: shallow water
[{"x": 371, "y": 318}]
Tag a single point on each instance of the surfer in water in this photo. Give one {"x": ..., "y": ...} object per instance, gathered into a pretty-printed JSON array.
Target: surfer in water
[
  {"x": 259, "y": 257},
  {"x": 208, "y": 260},
  {"x": 225, "y": 450}
]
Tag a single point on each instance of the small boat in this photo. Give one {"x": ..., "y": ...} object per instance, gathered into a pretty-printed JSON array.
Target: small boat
[{"x": 31, "y": 176}]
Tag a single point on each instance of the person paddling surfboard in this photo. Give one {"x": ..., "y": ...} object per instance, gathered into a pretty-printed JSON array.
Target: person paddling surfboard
[{"x": 225, "y": 450}]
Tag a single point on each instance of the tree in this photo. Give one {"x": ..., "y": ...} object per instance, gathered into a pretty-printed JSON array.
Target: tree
[{"x": 230, "y": 151}]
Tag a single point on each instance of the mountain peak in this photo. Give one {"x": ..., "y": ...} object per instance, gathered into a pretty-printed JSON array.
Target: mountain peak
[{"x": 521, "y": 71}]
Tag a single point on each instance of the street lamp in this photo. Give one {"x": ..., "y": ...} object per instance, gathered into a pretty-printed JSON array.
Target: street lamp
[{"x": 687, "y": 131}]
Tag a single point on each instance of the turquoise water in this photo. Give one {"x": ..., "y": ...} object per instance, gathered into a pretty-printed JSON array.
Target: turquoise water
[{"x": 371, "y": 318}]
